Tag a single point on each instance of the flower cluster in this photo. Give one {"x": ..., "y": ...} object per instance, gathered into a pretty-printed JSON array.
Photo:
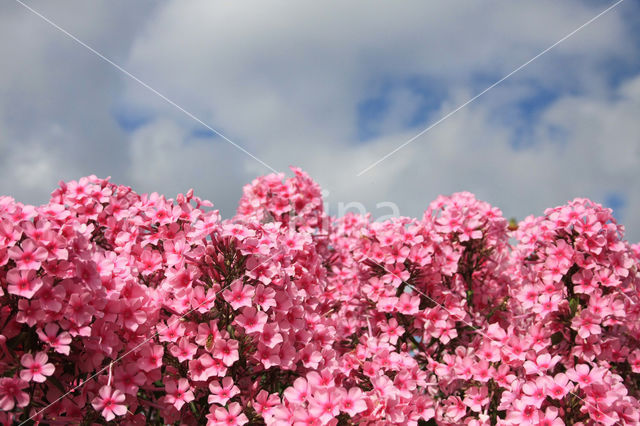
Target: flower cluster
[{"x": 134, "y": 308}]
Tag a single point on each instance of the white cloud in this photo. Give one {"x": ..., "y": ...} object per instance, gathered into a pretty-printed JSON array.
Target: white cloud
[{"x": 285, "y": 81}]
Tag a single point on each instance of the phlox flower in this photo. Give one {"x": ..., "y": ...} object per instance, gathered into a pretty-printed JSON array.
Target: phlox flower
[
  {"x": 542, "y": 364},
  {"x": 322, "y": 380},
  {"x": 325, "y": 404},
  {"x": 298, "y": 392},
  {"x": 239, "y": 295},
  {"x": 29, "y": 312},
  {"x": 455, "y": 408},
  {"x": 264, "y": 297},
  {"x": 201, "y": 301},
  {"x": 220, "y": 394},
  {"x": 11, "y": 393},
  {"x": 171, "y": 331},
  {"x": 310, "y": 357},
  {"x": 28, "y": 255},
  {"x": 352, "y": 402},
  {"x": 251, "y": 320},
  {"x": 268, "y": 356},
  {"x": 550, "y": 418},
  {"x": 109, "y": 403},
  {"x": 129, "y": 378},
  {"x": 23, "y": 283},
  {"x": 476, "y": 398},
  {"x": 58, "y": 342},
  {"x": 50, "y": 296},
  {"x": 408, "y": 304},
  {"x": 201, "y": 368},
  {"x": 226, "y": 350},
  {"x": 207, "y": 334},
  {"x": 535, "y": 392},
  {"x": 36, "y": 368},
  {"x": 558, "y": 386},
  {"x": 583, "y": 375},
  {"x": 178, "y": 393},
  {"x": 587, "y": 324},
  {"x": 392, "y": 330},
  {"x": 238, "y": 231},
  {"x": 265, "y": 403},
  {"x": 184, "y": 350},
  {"x": 151, "y": 357},
  {"x": 232, "y": 416},
  {"x": 523, "y": 414}
]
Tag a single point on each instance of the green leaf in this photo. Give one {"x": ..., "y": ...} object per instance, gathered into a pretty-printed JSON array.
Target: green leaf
[{"x": 573, "y": 305}]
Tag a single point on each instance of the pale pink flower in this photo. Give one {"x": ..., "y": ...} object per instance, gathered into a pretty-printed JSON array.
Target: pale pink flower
[
  {"x": 252, "y": 320},
  {"x": 232, "y": 416},
  {"x": 226, "y": 350},
  {"x": 23, "y": 283},
  {"x": 239, "y": 295},
  {"x": 11, "y": 393},
  {"x": 28, "y": 255},
  {"x": 221, "y": 394},
  {"x": 109, "y": 403},
  {"x": 298, "y": 392},
  {"x": 353, "y": 402},
  {"x": 178, "y": 393},
  {"x": 36, "y": 368},
  {"x": 59, "y": 342}
]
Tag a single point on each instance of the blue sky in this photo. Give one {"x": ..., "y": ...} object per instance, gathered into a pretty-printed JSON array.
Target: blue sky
[{"x": 331, "y": 87}]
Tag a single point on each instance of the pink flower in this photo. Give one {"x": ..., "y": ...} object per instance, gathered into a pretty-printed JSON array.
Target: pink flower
[
  {"x": 36, "y": 369},
  {"x": 542, "y": 363},
  {"x": 408, "y": 304},
  {"x": 11, "y": 393},
  {"x": 587, "y": 324},
  {"x": 239, "y": 295},
  {"x": 202, "y": 368},
  {"x": 265, "y": 402},
  {"x": 233, "y": 416},
  {"x": 28, "y": 256},
  {"x": 559, "y": 386},
  {"x": 535, "y": 392},
  {"x": 129, "y": 378},
  {"x": 178, "y": 393},
  {"x": 151, "y": 357},
  {"x": 252, "y": 320},
  {"x": 226, "y": 350},
  {"x": 222, "y": 394},
  {"x": 172, "y": 331},
  {"x": 23, "y": 283},
  {"x": 551, "y": 418},
  {"x": 59, "y": 342},
  {"x": 298, "y": 393},
  {"x": 582, "y": 375},
  {"x": 455, "y": 408},
  {"x": 523, "y": 414},
  {"x": 353, "y": 402},
  {"x": 109, "y": 403},
  {"x": 476, "y": 398},
  {"x": 184, "y": 350},
  {"x": 325, "y": 404}
]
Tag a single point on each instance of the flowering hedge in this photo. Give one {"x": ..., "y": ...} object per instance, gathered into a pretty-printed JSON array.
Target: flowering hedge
[{"x": 137, "y": 309}]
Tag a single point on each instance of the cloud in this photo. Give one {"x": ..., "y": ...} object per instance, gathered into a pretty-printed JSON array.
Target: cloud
[{"x": 330, "y": 87}]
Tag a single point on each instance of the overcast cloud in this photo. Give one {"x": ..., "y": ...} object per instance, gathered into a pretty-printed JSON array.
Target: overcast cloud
[{"x": 330, "y": 87}]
